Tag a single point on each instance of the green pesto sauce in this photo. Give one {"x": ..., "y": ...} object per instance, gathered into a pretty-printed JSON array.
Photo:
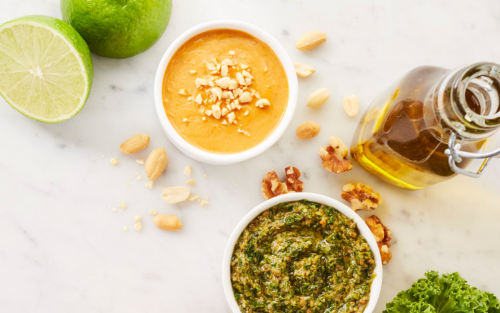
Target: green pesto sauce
[{"x": 302, "y": 256}]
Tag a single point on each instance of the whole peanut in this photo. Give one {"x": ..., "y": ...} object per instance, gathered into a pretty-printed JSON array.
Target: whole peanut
[
  {"x": 310, "y": 40},
  {"x": 156, "y": 162},
  {"x": 307, "y": 130},
  {"x": 167, "y": 222},
  {"x": 317, "y": 98},
  {"x": 135, "y": 144}
]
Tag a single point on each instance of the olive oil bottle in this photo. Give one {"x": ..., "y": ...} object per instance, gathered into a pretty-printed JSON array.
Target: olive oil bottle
[{"x": 404, "y": 135}]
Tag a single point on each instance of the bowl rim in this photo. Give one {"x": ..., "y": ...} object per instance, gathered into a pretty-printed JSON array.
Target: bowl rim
[
  {"x": 214, "y": 158},
  {"x": 376, "y": 285}
]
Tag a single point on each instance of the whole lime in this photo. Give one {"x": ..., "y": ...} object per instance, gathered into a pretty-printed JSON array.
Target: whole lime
[{"x": 118, "y": 28}]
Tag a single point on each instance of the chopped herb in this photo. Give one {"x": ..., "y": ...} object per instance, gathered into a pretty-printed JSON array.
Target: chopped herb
[{"x": 287, "y": 261}]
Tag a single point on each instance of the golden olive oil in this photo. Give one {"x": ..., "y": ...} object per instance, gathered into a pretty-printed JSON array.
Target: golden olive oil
[{"x": 398, "y": 138}]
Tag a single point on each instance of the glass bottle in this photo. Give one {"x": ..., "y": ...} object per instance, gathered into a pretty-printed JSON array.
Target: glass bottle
[{"x": 417, "y": 132}]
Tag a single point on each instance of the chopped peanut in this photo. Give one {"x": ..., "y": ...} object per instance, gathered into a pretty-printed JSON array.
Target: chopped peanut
[{"x": 114, "y": 161}]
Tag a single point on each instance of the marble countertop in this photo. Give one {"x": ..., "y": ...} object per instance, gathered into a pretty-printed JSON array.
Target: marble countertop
[{"x": 62, "y": 248}]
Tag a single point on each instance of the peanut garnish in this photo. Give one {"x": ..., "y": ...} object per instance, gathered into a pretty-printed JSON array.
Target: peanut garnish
[
  {"x": 224, "y": 70},
  {"x": 262, "y": 103},
  {"x": 225, "y": 92},
  {"x": 223, "y": 82},
  {"x": 246, "y": 74},
  {"x": 310, "y": 40},
  {"x": 114, "y": 161},
  {"x": 167, "y": 222},
  {"x": 233, "y": 84},
  {"x": 240, "y": 79},
  {"x": 199, "y": 82},
  {"x": 217, "y": 92},
  {"x": 245, "y": 97},
  {"x": 175, "y": 194},
  {"x": 216, "y": 112},
  {"x": 156, "y": 163},
  {"x": 138, "y": 226},
  {"x": 351, "y": 105},
  {"x": 135, "y": 144},
  {"x": 198, "y": 99},
  {"x": 303, "y": 70},
  {"x": 318, "y": 98},
  {"x": 211, "y": 67},
  {"x": 227, "y": 62},
  {"x": 307, "y": 130}
]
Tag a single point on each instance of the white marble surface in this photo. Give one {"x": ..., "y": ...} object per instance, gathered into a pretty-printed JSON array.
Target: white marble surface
[{"x": 63, "y": 250}]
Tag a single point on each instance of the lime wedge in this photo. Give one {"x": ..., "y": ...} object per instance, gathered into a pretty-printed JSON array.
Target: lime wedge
[{"x": 45, "y": 68}]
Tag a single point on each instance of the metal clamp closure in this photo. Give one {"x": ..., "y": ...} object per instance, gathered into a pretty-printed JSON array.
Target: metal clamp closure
[{"x": 455, "y": 156}]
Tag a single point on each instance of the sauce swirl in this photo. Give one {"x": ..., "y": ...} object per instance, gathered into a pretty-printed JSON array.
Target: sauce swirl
[{"x": 302, "y": 256}]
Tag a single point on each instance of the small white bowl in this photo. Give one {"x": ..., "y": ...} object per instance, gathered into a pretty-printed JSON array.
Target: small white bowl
[
  {"x": 214, "y": 158},
  {"x": 342, "y": 208}
]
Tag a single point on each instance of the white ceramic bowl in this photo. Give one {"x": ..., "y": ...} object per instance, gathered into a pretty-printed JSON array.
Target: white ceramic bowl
[
  {"x": 213, "y": 158},
  {"x": 363, "y": 229}
]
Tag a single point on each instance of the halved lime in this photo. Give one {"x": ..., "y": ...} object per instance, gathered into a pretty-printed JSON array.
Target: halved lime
[{"x": 45, "y": 68}]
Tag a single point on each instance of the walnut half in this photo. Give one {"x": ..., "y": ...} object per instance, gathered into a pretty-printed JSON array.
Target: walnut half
[
  {"x": 293, "y": 184},
  {"x": 362, "y": 197},
  {"x": 272, "y": 187},
  {"x": 382, "y": 237},
  {"x": 334, "y": 156}
]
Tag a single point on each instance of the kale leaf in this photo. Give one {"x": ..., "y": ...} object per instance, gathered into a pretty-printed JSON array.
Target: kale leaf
[{"x": 447, "y": 294}]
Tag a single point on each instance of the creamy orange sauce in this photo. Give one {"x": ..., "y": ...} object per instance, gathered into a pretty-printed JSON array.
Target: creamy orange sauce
[{"x": 269, "y": 80}]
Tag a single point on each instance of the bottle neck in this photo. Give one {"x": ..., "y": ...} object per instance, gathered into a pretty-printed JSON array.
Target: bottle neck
[{"x": 466, "y": 101}]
